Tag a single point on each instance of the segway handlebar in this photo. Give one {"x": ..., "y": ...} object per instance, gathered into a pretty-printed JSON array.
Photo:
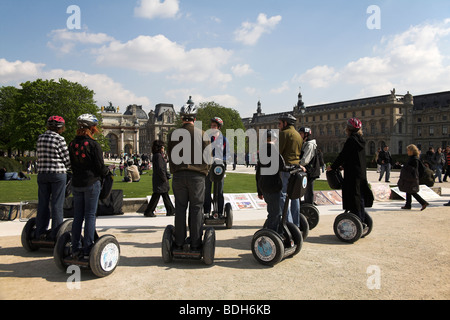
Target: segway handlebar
[{"x": 292, "y": 168}]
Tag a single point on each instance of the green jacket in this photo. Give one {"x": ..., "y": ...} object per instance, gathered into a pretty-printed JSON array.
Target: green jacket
[{"x": 290, "y": 145}]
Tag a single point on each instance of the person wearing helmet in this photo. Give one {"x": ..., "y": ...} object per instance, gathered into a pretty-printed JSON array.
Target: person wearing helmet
[
  {"x": 310, "y": 160},
  {"x": 290, "y": 144},
  {"x": 221, "y": 152},
  {"x": 88, "y": 168},
  {"x": 355, "y": 188},
  {"x": 269, "y": 186},
  {"x": 189, "y": 171},
  {"x": 52, "y": 165}
]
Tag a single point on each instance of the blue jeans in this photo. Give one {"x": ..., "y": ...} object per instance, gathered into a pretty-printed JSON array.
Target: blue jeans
[
  {"x": 85, "y": 203},
  {"x": 51, "y": 195},
  {"x": 386, "y": 167},
  {"x": 294, "y": 209},
  {"x": 273, "y": 209},
  {"x": 438, "y": 172}
]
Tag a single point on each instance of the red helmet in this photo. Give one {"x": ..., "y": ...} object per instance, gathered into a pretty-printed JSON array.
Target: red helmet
[
  {"x": 354, "y": 124},
  {"x": 56, "y": 121},
  {"x": 218, "y": 121}
]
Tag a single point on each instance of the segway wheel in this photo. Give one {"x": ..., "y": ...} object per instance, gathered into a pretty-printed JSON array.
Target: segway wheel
[
  {"x": 166, "y": 244},
  {"x": 229, "y": 215},
  {"x": 64, "y": 227},
  {"x": 368, "y": 229},
  {"x": 304, "y": 226},
  {"x": 311, "y": 213},
  {"x": 267, "y": 247},
  {"x": 348, "y": 227},
  {"x": 28, "y": 233},
  {"x": 104, "y": 256},
  {"x": 62, "y": 250},
  {"x": 297, "y": 237},
  {"x": 209, "y": 246}
]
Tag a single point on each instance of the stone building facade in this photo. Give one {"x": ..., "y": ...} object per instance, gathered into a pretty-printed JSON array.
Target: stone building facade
[
  {"x": 134, "y": 131},
  {"x": 393, "y": 120}
]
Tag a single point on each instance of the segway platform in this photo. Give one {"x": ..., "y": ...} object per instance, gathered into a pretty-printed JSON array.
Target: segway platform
[
  {"x": 217, "y": 218},
  {"x": 349, "y": 228},
  {"x": 28, "y": 236},
  {"x": 205, "y": 252}
]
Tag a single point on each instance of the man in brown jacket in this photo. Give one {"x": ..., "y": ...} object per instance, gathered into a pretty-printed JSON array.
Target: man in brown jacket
[
  {"x": 290, "y": 149},
  {"x": 187, "y": 164}
]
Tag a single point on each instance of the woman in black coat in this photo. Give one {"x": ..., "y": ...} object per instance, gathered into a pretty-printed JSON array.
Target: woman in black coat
[
  {"x": 412, "y": 187},
  {"x": 353, "y": 159},
  {"x": 160, "y": 181}
]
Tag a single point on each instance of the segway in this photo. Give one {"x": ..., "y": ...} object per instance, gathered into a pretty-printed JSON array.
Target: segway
[
  {"x": 349, "y": 228},
  {"x": 269, "y": 247},
  {"x": 28, "y": 237},
  {"x": 206, "y": 251},
  {"x": 215, "y": 217},
  {"x": 103, "y": 257},
  {"x": 311, "y": 213}
]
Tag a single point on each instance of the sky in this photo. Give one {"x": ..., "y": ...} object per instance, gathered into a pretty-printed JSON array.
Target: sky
[{"x": 234, "y": 53}]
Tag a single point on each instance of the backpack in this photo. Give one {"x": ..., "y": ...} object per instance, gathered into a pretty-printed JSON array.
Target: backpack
[{"x": 427, "y": 178}]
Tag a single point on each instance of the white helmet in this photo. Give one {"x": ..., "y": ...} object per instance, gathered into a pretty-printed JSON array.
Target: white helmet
[{"x": 87, "y": 120}]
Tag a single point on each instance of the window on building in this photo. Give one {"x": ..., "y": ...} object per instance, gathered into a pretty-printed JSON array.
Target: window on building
[
  {"x": 372, "y": 112},
  {"x": 383, "y": 111},
  {"x": 400, "y": 147},
  {"x": 431, "y": 131},
  {"x": 400, "y": 127},
  {"x": 419, "y": 131},
  {"x": 444, "y": 130}
]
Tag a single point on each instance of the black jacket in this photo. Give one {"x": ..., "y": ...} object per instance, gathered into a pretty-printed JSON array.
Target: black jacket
[
  {"x": 353, "y": 159},
  {"x": 87, "y": 162},
  {"x": 159, "y": 179},
  {"x": 269, "y": 183}
]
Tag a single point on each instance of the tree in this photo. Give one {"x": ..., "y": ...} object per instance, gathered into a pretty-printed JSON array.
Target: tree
[
  {"x": 231, "y": 118},
  {"x": 8, "y": 103},
  {"x": 36, "y": 101}
]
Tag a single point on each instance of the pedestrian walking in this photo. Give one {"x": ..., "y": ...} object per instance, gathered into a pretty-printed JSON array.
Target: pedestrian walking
[{"x": 160, "y": 181}]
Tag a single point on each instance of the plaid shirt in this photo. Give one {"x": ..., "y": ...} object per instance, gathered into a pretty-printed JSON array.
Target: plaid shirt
[{"x": 52, "y": 153}]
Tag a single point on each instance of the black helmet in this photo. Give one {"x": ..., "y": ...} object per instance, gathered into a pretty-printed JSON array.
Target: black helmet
[{"x": 289, "y": 118}]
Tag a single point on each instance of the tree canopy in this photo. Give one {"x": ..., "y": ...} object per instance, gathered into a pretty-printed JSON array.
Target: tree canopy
[{"x": 24, "y": 111}]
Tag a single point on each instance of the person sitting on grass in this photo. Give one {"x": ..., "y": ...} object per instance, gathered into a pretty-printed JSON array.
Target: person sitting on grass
[
  {"x": 131, "y": 172},
  {"x": 5, "y": 175}
]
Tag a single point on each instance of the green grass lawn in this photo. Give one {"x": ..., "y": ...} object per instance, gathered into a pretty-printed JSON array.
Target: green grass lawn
[{"x": 27, "y": 190}]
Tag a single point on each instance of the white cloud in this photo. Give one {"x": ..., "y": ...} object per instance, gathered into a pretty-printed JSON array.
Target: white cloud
[
  {"x": 13, "y": 72},
  {"x": 283, "y": 88},
  {"x": 413, "y": 60},
  {"x": 249, "y": 33},
  {"x": 64, "y": 40},
  {"x": 105, "y": 88},
  {"x": 241, "y": 70},
  {"x": 151, "y": 9},
  {"x": 158, "y": 54}
]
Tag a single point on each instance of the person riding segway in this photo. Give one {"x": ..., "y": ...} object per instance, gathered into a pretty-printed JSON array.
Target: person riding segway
[
  {"x": 221, "y": 214},
  {"x": 53, "y": 164},
  {"x": 355, "y": 222},
  {"x": 310, "y": 160},
  {"x": 283, "y": 239},
  {"x": 91, "y": 180},
  {"x": 189, "y": 190}
]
